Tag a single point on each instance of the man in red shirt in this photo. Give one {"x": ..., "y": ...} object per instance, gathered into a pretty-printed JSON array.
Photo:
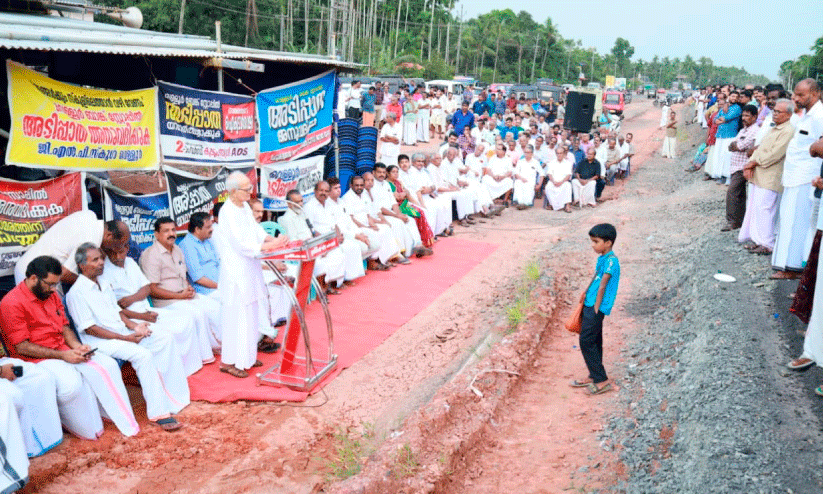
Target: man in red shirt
[{"x": 35, "y": 328}]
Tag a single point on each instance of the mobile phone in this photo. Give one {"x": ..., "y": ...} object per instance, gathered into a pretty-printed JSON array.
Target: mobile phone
[
  {"x": 89, "y": 352},
  {"x": 17, "y": 370}
]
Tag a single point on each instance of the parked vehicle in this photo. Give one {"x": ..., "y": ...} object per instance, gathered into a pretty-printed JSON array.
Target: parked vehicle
[
  {"x": 496, "y": 87},
  {"x": 546, "y": 91},
  {"x": 650, "y": 90},
  {"x": 453, "y": 87},
  {"x": 675, "y": 96},
  {"x": 593, "y": 85},
  {"x": 568, "y": 87},
  {"x": 529, "y": 92},
  {"x": 614, "y": 101}
]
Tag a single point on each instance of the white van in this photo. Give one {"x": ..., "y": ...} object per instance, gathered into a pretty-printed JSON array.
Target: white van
[{"x": 454, "y": 87}]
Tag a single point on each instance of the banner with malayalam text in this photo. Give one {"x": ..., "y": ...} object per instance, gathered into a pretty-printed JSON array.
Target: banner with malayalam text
[
  {"x": 28, "y": 209},
  {"x": 277, "y": 180},
  {"x": 62, "y": 126},
  {"x": 205, "y": 127},
  {"x": 295, "y": 119},
  {"x": 139, "y": 213},
  {"x": 190, "y": 193}
]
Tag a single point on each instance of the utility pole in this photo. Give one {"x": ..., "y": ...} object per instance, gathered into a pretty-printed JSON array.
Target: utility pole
[
  {"x": 534, "y": 59},
  {"x": 282, "y": 28},
  {"x": 219, "y": 50},
  {"x": 182, "y": 15},
  {"x": 448, "y": 34},
  {"x": 459, "y": 41},
  {"x": 332, "y": 30},
  {"x": 431, "y": 28}
]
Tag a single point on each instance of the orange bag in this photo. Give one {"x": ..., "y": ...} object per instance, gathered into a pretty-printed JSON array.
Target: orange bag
[{"x": 574, "y": 323}]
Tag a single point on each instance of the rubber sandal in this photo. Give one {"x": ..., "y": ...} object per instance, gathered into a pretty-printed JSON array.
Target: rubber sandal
[
  {"x": 168, "y": 424},
  {"x": 257, "y": 363},
  {"x": 264, "y": 346},
  {"x": 234, "y": 371},
  {"x": 594, "y": 390},
  {"x": 580, "y": 384},
  {"x": 800, "y": 364}
]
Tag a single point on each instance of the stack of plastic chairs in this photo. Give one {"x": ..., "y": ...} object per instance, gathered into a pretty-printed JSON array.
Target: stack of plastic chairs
[{"x": 366, "y": 149}]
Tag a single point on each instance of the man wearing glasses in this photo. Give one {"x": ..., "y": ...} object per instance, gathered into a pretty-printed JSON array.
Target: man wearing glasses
[{"x": 36, "y": 329}]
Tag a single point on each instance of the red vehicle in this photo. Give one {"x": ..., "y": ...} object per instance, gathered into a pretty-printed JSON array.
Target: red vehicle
[{"x": 614, "y": 102}]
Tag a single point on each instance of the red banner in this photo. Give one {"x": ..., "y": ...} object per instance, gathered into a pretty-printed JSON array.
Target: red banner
[{"x": 28, "y": 209}]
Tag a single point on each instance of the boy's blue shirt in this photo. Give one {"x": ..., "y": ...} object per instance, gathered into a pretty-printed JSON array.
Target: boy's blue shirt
[{"x": 606, "y": 263}]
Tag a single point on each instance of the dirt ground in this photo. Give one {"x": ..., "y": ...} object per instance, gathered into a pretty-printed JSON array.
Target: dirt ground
[{"x": 549, "y": 431}]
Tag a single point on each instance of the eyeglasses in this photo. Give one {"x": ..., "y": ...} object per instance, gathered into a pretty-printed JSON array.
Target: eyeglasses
[
  {"x": 50, "y": 285},
  {"x": 248, "y": 189}
]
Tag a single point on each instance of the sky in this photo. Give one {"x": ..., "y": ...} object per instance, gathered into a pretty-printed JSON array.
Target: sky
[{"x": 756, "y": 34}]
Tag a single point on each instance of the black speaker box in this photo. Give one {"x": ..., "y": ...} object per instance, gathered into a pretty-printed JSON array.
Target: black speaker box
[{"x": 579, "y": 111}]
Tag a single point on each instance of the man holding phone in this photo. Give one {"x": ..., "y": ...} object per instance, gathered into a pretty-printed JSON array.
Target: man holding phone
[{"x": 35, "y": 328}]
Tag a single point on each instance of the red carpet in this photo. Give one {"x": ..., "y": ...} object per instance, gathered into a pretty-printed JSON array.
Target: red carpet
[{"x": 362, "y": 317}]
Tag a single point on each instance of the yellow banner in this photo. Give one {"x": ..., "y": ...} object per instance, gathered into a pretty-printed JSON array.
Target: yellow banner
[
  {"x": 609, "y": 81},
  {"x": 61, "y": 126}
]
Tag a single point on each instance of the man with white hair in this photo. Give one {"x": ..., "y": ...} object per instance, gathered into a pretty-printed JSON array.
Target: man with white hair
[
  {"x": 390, "y": 135},
  {"x": 441, "y": 177},
  {"x": 244, "y": 297},
  {"x": 498, "y": 177},
  {"x": 438, "y": 207},
  {"x": 472, "y": 172},
  {"x": 585, "y": 179},
  {"x": 558, "y": 180},
  {"x": 384, "y": 206},
  {"x": 319, "y": 210},
  {"x": 102, "y": 326},
  {"x": 328, "y": 269},
  {"x": 526, "y": 172}
]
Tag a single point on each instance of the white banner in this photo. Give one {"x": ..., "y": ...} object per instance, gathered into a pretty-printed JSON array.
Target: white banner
[{"x": 277, "y": 180}]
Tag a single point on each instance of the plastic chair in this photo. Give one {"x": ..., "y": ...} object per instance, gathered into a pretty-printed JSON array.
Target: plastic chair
[{"x": 272, "y": 228}]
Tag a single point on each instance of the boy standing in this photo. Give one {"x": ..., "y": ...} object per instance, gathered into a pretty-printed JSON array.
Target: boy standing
[{"x": 597, "y": 304}]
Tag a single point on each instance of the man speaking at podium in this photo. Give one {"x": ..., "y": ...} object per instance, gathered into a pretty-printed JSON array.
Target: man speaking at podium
[{"x": 244, "y": 296}]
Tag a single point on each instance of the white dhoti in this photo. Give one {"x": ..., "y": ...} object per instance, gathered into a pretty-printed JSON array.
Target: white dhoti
[
  {"x": 279, "y": 303},
  {"x": 794, "y": 227},
  {"x": 669, "y": 146},
  {"x": 243, "y": 324},
  {"x": 13, "y": 456},
  {"x": 481, "y": 193},
  {"x": 409, "y": 134},
  {"x": 403, "y": 233},
  {"x": 813, "y": 343},
  {"x": 438, "y": 212},
  {"x": 495, "y": 188},
  {"x": 558, "y": 197},
  {"x": 423, "y": 128},
  {"x": 724, "y": 157},
  {"x": 711, "y": 163},
  {"x": 191, "y": 338},
  {"x": 759, "y": 221},
  {"x": 388, "y": 246},
  {"x": 523, "y": 192},
  {"x": 332, "y": 265},
  {"x": 205, "y": 312},
  {"x": 159, "y": 368},
  {"x": 80, "y": 387},
  {"x": 353, "y": 260},
  {"x": 35, "y": 398},
  {"x": 584, "y": 194}
]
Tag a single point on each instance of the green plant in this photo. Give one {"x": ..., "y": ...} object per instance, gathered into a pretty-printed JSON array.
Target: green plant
[
  {"x": 406, "y": 462},
  {"x": 532, "y": 273},
  {"x": 348, "y": 453}
]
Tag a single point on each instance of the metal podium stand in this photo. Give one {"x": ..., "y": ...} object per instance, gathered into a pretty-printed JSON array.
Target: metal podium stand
[{"x": 296, "y": 372}]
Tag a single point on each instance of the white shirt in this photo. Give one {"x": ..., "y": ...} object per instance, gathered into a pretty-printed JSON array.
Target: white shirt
[
  {"x": 61, "y": 241},
  {"x": 322, "y": 221},
  {"x": 354, "y": 97},
  {"x": 624, "y": 148},
  {"x": 500, "y": 166},
  {"x": 560, "y": 169},
  {"x": 542, "y": 154},
  {"x": 476, "y": 165},
  {"x": 800, "y": 168},
  {"x": 390, "y": 148},
  {"x": 341, "y": 218},
  {"x": 295, "y": 225},
  {"x": 410, "y": 180},
  {"x": 126, "y": 281},
  {"x": 359, "y": 207},
  {"x": 94, "y": 304},
  {"x": 439, "y": 176},
  {"x": 528, "y": 169},
  {"x": 382, "y": 196}
]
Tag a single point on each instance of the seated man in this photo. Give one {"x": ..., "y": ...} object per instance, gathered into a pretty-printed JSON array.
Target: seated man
[
  {"x": 613, "y": 156},
  {"x": 455, "y": 172},
  {"x": 526, "y": 172},
  {"x": 202, "y": 261},
  {"x": 329, "y": 269},
  {"x": 165, "y": 267},
  {"x": 103, "y": 326},
  {"x": 585, "y": 180},
  {"x": 36, "y": 329},
  {"x": 369, "y": 240},
  {"x": 359, "y": 207},
  {"x": 318, "y": 211},
  {"x": 498, "y": 177},
  {"x": 558, "y": 184},
  {"x": 131, "y": 288},
  {"x": 61, "y": 240},
  {"x": 418, "y": 182},
  {"x": 440, "y": 178},
  {"x": 385, "y": 208},
  {"x": 33, "y": 397}
]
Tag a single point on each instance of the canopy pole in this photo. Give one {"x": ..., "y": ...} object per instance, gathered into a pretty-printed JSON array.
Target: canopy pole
[{"x": 219, "y": 50}]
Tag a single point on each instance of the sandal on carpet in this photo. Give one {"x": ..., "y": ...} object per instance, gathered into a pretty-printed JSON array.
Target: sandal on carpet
[
  {"x": 270, "y": 346},
  {"x": 594, "y": 390},
  {"x": 332, "y": 291},
  {"x": 168, "y": 424},
  {"x": 257, "y": 363},
  {"x": 234, "y": 371},
  {"x": 580, "y": 384},
  {"x": 762, "y": 250},
  {"x": 799, "y": 364}
]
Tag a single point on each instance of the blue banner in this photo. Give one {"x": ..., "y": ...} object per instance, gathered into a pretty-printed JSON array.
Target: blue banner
[
  {"x": 139, "y": 213},
  {"x": 205, "y": 127},
  {"x": 295, "y": 119}
]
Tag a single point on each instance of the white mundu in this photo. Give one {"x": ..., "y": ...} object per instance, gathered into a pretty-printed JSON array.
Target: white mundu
[
  {"x": 440, "y": 176},
  {"x": 323, "y": 223},
  {"x": 440, "y": 206},
  {"x": 559, "y": 196},
  {"x": 155, "y": 359},
  {"x": 190, "y": 332},
  {"x": 498, "y": 166},
  {"x": 406, "y": 233},
  {"x": 469, "y": 194},
  {"x": 524, "y": 191},
  {"x": 34, "y": 395},
  {"x": 389, "y": 151},
  {"x": 473, "y": 168},
  {"x": 359, "y": 208},
  {"x": 12, "y": 448},
  {"x": 584, "y": 193},
  {"x": 244, "y": 298},
  {"x": 349, "y": 230},
  {"x": 331, "y": 264}
]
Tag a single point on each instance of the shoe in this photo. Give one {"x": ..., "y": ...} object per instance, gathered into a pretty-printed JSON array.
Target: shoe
[
  {"x": 800, "y": 364},
  {"x": 727, "y": 228}
]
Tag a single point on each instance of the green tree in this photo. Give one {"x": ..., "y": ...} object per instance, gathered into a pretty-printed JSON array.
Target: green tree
[{"x": 622, "y": 51}]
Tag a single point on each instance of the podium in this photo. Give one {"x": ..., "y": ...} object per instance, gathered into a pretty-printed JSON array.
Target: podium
[{"x": 301, "y": 372}]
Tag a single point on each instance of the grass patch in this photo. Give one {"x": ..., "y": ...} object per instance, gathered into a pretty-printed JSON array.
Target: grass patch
[
  {"x": 406, "y": 463},
  {"x": 349, "y": 452},
  {"x": 519, "y": 309}
]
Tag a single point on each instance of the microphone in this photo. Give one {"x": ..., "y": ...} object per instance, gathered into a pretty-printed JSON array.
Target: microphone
[{"x": 308, "y": 223}]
